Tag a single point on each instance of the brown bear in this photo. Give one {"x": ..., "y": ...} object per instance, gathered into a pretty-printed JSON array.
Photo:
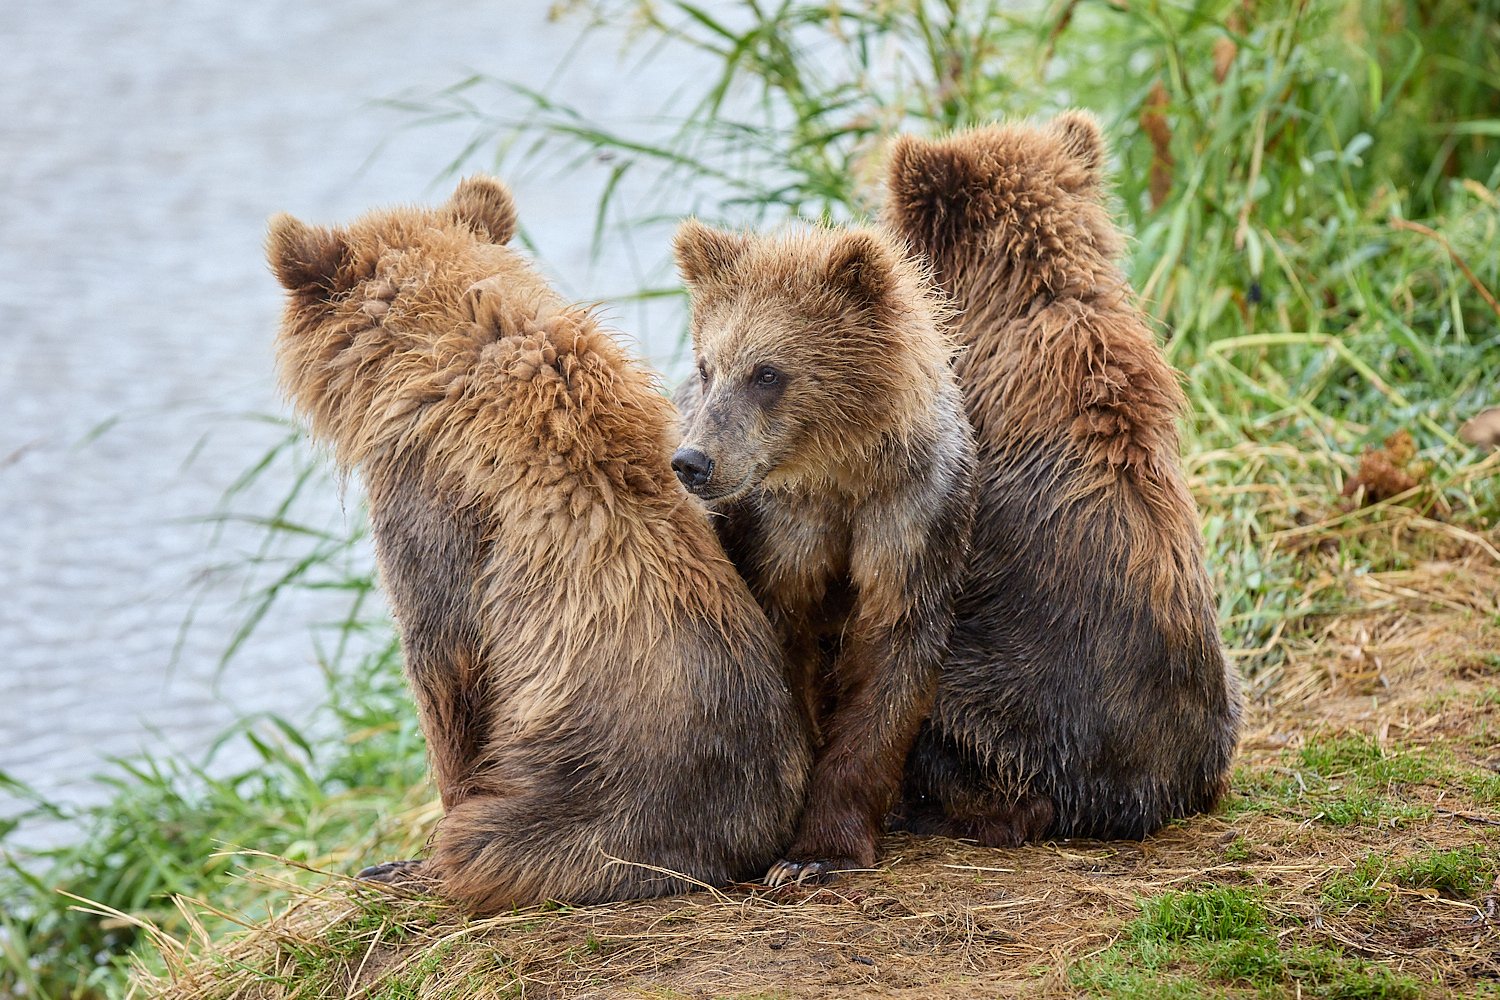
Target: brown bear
[
  {"x": 605, "y": 706},
  {"x": 825, "y": 426},
  {"x": 1086, "y": 691}
]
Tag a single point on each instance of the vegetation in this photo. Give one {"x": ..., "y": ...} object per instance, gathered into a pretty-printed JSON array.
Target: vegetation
[
  {"x": 1230, "y": 937},
  {"x": 1310, "y": 187}
]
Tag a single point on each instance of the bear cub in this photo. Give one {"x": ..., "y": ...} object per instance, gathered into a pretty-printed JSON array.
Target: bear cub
[
  {"x": 826, "y": 429},
  {"x": 1086, "y": 692},
  {"x": 605, "y": 706}
]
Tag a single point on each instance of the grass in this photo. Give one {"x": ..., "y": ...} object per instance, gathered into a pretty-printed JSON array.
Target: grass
[
  {"x": 1310, "y": 190},
  {"x": 1265, "y": 898},
  {"x": 1257, "y": 902},
  {"x": 1225, "y": 936},
  {"x": 1367, "y": 886},
  {"x": 174, "y": 826},
  {"x": 1462, "y": 873}
]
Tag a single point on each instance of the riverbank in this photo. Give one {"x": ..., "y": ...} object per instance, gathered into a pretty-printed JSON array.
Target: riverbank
[{"x": 1356, "y": 857}]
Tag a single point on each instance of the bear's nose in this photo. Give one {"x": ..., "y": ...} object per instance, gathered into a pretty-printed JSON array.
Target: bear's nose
[{"x": 692, "y": 467}]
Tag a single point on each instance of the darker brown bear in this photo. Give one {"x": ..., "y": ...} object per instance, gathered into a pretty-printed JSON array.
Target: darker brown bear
[
  {"x": 826, "y": 427},
  {"x": 1086, "y": 692},
  {"x": 605, "y": 705}
]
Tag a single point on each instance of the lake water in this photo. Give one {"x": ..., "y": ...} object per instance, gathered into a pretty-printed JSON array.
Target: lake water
[{"x": 142, "y": 147}]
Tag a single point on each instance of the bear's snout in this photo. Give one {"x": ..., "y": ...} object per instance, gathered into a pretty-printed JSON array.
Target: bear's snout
[{"x": 692, "y": 467}]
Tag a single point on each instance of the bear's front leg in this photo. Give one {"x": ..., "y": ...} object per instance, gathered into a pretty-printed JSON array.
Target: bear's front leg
[
  {"x": 903, "y": 567},
  {"x": 882, "y": 699}
]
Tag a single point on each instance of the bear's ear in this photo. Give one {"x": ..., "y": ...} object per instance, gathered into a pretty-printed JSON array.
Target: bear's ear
[
  {"x": 913, "y": 165},
  {"x": 305, "y": 258},
  {"x": 704, "y": 253},
  {"x": 860, "y": 265},
  {"x": 933, "y": 189},
  {"x": 1082, "y": 139},
  {"x": 485, "y": 205}
]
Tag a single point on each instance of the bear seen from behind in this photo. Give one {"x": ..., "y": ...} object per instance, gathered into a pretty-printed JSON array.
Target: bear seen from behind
[{"x": 605, "y": 706}]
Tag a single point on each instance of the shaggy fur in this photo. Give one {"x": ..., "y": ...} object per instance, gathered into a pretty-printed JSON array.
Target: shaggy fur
[
  {"x": 1086, "y": 693},
  {"x": 842, "y": 463},
  {"x": 603, "y": 701}
]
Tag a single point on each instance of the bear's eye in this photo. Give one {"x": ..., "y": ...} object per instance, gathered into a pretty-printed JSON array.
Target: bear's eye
[
  {"x": 703, "y": 371},
  {"x": 766, "y": 375}
]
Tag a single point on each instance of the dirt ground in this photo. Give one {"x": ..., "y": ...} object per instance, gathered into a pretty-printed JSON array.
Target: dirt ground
[{"x": 1356, "y": 857}]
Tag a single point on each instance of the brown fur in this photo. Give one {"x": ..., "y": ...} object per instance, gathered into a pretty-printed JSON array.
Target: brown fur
[
  {"x": 845, "y": 487},
  {"x": 594, "y": 680},
  {"x": 1086, "y": 693}
]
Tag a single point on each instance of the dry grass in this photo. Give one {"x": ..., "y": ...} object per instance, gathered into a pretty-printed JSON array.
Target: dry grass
[{"x": 1358, "y": 852}]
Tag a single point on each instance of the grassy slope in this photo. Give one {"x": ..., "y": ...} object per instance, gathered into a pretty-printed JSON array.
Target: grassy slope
[{"x": 1357, "y": 857}]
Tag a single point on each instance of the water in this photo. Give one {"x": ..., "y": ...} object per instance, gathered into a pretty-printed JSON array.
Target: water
[{"x": 142, "y": 147}]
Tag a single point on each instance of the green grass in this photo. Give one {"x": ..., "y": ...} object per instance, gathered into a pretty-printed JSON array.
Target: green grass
[
  {"x": 1354, "y": 781},
  {"x": 1463, "y": 873},
  {"x": 1485, "y": 787},
  {"x": 174, "y": 826},
  {"x": 1366, "y": 886},
  {"x": 1350, "y": 780},
  {"x": 1238, "y": 849},
  {"x": 1200, "y": 944},
  {"x": 1219, "y": 914},
  {"x": 1292, "y": 144}
]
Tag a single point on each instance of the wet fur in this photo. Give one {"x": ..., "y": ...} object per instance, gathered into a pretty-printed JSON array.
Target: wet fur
[
  {"x": 856, "y": 530},
  {"x": 603, "y": 701},
  {"x": 1086, "y": 691}
]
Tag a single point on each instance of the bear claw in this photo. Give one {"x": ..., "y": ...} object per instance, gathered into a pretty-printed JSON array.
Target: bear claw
[
  {"x": 392, "y": 872},
  {"x": 818, "y": 871}
]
